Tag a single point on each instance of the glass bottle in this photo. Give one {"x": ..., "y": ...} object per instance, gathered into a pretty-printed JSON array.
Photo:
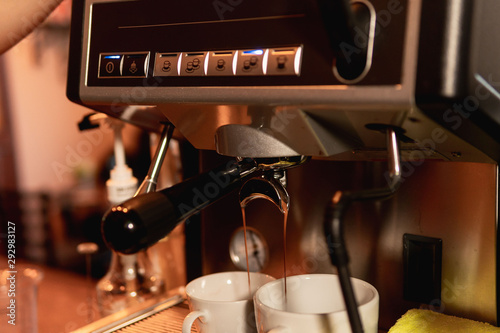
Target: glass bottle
[{"x": 130, "y": 280}]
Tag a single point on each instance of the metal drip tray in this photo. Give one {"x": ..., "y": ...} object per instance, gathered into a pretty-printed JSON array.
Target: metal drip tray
[{"x": 165, "y": 316}]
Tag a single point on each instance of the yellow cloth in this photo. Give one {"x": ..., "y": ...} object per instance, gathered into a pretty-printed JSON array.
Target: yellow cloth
[{"x": 426, "y": 321}]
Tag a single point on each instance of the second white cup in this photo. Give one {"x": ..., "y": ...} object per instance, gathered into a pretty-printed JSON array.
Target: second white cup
[
  {"x": 313, "y": 304},
  {"x": 222, "y": 302}
]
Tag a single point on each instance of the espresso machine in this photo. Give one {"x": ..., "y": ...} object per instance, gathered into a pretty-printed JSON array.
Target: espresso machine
[{"x": 304, "y": 92}]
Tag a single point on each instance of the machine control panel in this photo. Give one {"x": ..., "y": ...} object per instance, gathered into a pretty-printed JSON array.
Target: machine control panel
[{"x": 248, "y": 62}]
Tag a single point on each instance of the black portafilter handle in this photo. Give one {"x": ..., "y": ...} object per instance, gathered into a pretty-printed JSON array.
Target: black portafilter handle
[{"x": 145, "y": 219}]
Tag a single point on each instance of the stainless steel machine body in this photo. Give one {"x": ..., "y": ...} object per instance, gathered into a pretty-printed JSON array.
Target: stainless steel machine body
[{"x": 260, "y": 79}]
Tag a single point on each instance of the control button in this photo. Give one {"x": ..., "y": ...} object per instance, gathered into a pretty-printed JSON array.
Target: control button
[
  {"x": 220, "y": 63},
  {"x": 109, "y": 65},
  {"x": 135, "y": 65},
  {"x": 250, "y": 62},
  {"x": 284, "y": 61},
  {"x": 166, "y": 64},
  {"x": 193, "y": 64}
]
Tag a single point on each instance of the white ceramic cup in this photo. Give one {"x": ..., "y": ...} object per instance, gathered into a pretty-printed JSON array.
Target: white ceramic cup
[
  {"x": 222, "y": 302},
  {"x": 314, "y": 303}
]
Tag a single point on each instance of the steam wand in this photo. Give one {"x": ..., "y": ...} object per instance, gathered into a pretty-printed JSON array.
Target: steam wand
[
  {"x": 150, "y": 182},
  {"x": 334, "y": 226}
]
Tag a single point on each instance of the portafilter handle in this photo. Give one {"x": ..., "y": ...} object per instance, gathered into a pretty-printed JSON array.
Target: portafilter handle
[{"x": 145, "y": 219}]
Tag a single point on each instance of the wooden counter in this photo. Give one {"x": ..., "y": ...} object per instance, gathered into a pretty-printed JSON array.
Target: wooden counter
[
  {"x": 62, "y": 302},
  {"x": 62, "y": 299}
]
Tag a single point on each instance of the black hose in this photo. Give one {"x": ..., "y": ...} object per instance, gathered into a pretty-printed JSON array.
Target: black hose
[
  {"x": 334, "y": 226},
  {"x": 340, "y": 258}
]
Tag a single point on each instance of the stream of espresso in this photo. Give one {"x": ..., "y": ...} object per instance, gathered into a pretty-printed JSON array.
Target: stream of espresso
[
  {"x": 284, "y": 209},
  {"x": 285, "y": 220},
  {"x": 243, "y": 214}
]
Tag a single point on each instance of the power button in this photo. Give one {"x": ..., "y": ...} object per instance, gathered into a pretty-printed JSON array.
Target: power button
[{"x": 109, "y": 65}]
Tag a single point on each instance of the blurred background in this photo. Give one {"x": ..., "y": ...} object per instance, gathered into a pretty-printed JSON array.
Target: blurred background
[
  {"x": 50, "y": 171},
  {"x": 52, "y": 175}
]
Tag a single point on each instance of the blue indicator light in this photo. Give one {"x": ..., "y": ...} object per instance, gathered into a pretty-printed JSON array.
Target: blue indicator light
[
  {"x": 254, "y": 52},
  {"x": 112, "y": 57}
]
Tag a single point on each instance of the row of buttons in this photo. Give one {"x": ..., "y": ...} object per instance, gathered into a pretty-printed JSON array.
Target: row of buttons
[{"x": 277, "y": 61}]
